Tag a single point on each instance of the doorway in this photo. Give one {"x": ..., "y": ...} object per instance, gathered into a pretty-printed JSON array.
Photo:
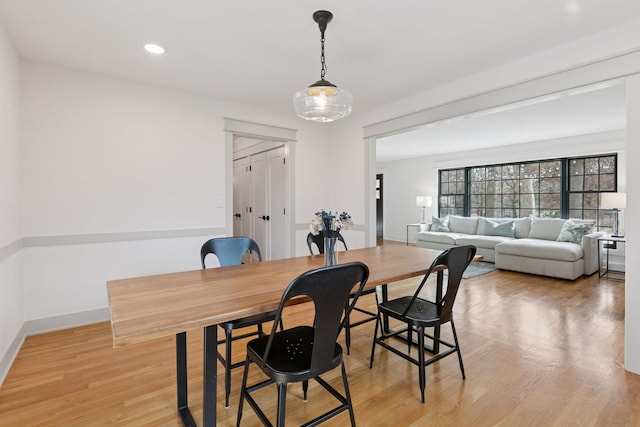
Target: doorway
[
  {"x": 379, "y": 206},
  {"x": 260, "y": 185},
  {"x": 260, "y": 181}
]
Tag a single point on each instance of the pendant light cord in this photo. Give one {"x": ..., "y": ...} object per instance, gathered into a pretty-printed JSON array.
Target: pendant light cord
[{"x": 323, "y": 69}]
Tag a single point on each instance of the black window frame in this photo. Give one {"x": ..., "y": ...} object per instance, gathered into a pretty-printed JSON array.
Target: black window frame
[{"x": 603, "y": 170}]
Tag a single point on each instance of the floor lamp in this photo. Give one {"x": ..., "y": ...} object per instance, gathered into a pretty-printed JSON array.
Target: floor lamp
[
  {"x": 615, "y": 202},
  {"x": 423, "y": 202}
]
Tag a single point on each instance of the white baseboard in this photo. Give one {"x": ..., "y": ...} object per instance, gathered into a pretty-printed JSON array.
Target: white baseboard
[
  {"x": 65, "y": 321},
  {"x": 10, "y": 355},
  {"x": 49, "y": 324}
]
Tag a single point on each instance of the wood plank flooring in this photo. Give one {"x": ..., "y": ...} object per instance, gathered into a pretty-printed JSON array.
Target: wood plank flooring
[{"x": 537, "y": 352}]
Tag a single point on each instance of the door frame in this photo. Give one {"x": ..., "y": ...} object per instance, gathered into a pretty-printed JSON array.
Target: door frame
[{"x": 278, "y": 135}]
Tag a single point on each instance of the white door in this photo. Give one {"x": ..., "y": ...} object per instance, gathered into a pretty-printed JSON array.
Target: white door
[
  {"x": 241, "y": 197},
  {"x": 260, "y": 200},
  {"x": 259, "y": 203},
  {"x": 277, "y": 203}
]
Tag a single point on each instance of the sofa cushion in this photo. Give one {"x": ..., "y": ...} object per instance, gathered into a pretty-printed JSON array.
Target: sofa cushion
[
  {"x": 492, "y": 228},
  {"x": 440, "y": 224},
  {"x": 438, "y": 237},
  {"x": 463, "y": 224},
  {"x": 546, "y": 228},
  {"x": 540, "y": 248},
  {"x": 521, "y": 227},
  {"x": 572, "y": 232},
  {"x": 487, "y": 242}
]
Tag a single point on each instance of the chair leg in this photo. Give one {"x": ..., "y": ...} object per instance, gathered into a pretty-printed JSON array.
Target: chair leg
[
  {"x": 227, "y": 367},
  {"x": 421, "y": 366},
  {"x": 243, "y": 390},
  {"x": 409, "y": 338},
  {"x": 348, "y": 395},
  {"x": 305, "y": 388},
  {"x": 373, "y": 344},
  {"x": 455, "y": 338},
  {"x": 282, "y": 401},
  {"x": 347, "y": 334}
]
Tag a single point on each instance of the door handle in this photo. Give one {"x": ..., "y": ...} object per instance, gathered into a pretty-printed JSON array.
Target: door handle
[
  {"x": 237, "y": 215},
  {"x": 265, "y": 217}
]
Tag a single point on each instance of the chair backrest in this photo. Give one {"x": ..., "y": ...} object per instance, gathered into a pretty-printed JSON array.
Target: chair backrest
[
  {"x": 229, "y": 250},
  {"x": 329, "y": 289},
  {"x": 318, "y": 240},
  {"x": 456, "y": 260}
]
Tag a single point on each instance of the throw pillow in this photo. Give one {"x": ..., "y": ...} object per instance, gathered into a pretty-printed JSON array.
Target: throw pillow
[
  {"x": 492, "y": 228},
  {"x": 572, "y": 232},
  {"x": 440, "y": 224},
  {"x": 546, "y": 228}
]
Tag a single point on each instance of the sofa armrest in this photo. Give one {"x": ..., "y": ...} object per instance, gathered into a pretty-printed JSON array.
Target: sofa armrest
[{"x": 590, "y": 249}]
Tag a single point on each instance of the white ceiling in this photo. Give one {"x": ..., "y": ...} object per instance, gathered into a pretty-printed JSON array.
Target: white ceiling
[
  {"x": 562, "y": 115},
  {"x": 260, "y": 52}
]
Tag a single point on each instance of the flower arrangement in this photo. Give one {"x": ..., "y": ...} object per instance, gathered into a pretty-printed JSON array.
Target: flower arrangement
[{"x": 329, "y": 223}]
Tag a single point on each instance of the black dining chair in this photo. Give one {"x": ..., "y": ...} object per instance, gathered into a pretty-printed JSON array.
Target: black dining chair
[
  {"x": 230, "y": 251},
  {"x": 318, "y": 240},
  {"x": 304, "y": 352},
  {"x": 419, "y": 313}
]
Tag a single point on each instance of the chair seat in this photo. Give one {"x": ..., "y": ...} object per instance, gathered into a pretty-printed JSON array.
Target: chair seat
[
  {"x": 290, "y": 355},
  {"x": 249, "y": 321},
  {"x": 421, "y": 313}
]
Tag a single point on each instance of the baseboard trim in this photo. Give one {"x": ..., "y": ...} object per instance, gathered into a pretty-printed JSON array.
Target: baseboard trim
[
  {"x": 11, "y": 354},
  {"x": 65, "y": 321}
]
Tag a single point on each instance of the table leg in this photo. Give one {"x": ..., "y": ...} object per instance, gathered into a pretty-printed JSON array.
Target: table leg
[
  {"x": 210, "y": 375},
  {"x": 181, "y": 370}
]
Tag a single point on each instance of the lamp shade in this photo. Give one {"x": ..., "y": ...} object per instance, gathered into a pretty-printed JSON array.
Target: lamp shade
[
  {"x": 613, "y": 200},
  {"x": 322, "y": 102},
  {"x": 423, "y": 201}
]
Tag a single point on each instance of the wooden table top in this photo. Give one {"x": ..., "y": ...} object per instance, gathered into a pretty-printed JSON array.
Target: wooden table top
[{"x": 144, "y": 308}]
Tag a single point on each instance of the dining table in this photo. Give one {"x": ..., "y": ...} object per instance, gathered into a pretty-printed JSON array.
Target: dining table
[{"x": 150, "y": 307}]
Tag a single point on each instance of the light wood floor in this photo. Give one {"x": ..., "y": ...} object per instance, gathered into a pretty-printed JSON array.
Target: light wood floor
[{"x": 537, "y": 352}]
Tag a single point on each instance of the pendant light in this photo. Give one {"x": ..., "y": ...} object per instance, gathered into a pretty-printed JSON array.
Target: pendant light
[{"x": 322, "y": 101}]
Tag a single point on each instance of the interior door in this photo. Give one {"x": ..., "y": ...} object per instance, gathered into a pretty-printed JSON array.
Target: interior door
[
  {"x": 277, "y": 203},
  {"x": 259, "y": 204},
  {"x": 241, "y": 197}
]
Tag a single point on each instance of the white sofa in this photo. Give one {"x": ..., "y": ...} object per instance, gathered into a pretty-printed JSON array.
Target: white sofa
[{"x": 543, "y": 246}]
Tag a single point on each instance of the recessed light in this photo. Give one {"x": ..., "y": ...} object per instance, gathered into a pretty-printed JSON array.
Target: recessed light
[
  {"x": 573, "y": 6},
  {"x": 154, "y": 48}
]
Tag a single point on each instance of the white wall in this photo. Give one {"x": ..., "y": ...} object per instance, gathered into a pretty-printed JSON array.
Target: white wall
[
  {"x": 632, "y": 230},
  {"x": 113, "y": 170},
  {"x": 11, "y": 298}
]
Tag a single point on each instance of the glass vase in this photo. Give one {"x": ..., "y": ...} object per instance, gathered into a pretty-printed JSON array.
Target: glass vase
[{"x": 330, "y": 251}]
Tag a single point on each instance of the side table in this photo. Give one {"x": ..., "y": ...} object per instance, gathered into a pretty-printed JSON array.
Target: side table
[
  {"x": 607, "y": 243},
  {"x": 417, "y": 225}
]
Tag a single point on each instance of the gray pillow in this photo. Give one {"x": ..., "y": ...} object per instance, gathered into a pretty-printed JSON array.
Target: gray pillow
[
  {"x": 546, "y": 228},
  {"x": 439, "y": 224},
  {"x": 492, "y": 228},
  {"x": 572, "y": 232},
  {"x": 463, "y": 224}
]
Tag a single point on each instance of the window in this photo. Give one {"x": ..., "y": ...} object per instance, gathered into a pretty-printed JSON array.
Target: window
[
  {"x": 452, "y": 192},
  {"x": 555, "y": 188},
  {"x": 588, "y": 177}
]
